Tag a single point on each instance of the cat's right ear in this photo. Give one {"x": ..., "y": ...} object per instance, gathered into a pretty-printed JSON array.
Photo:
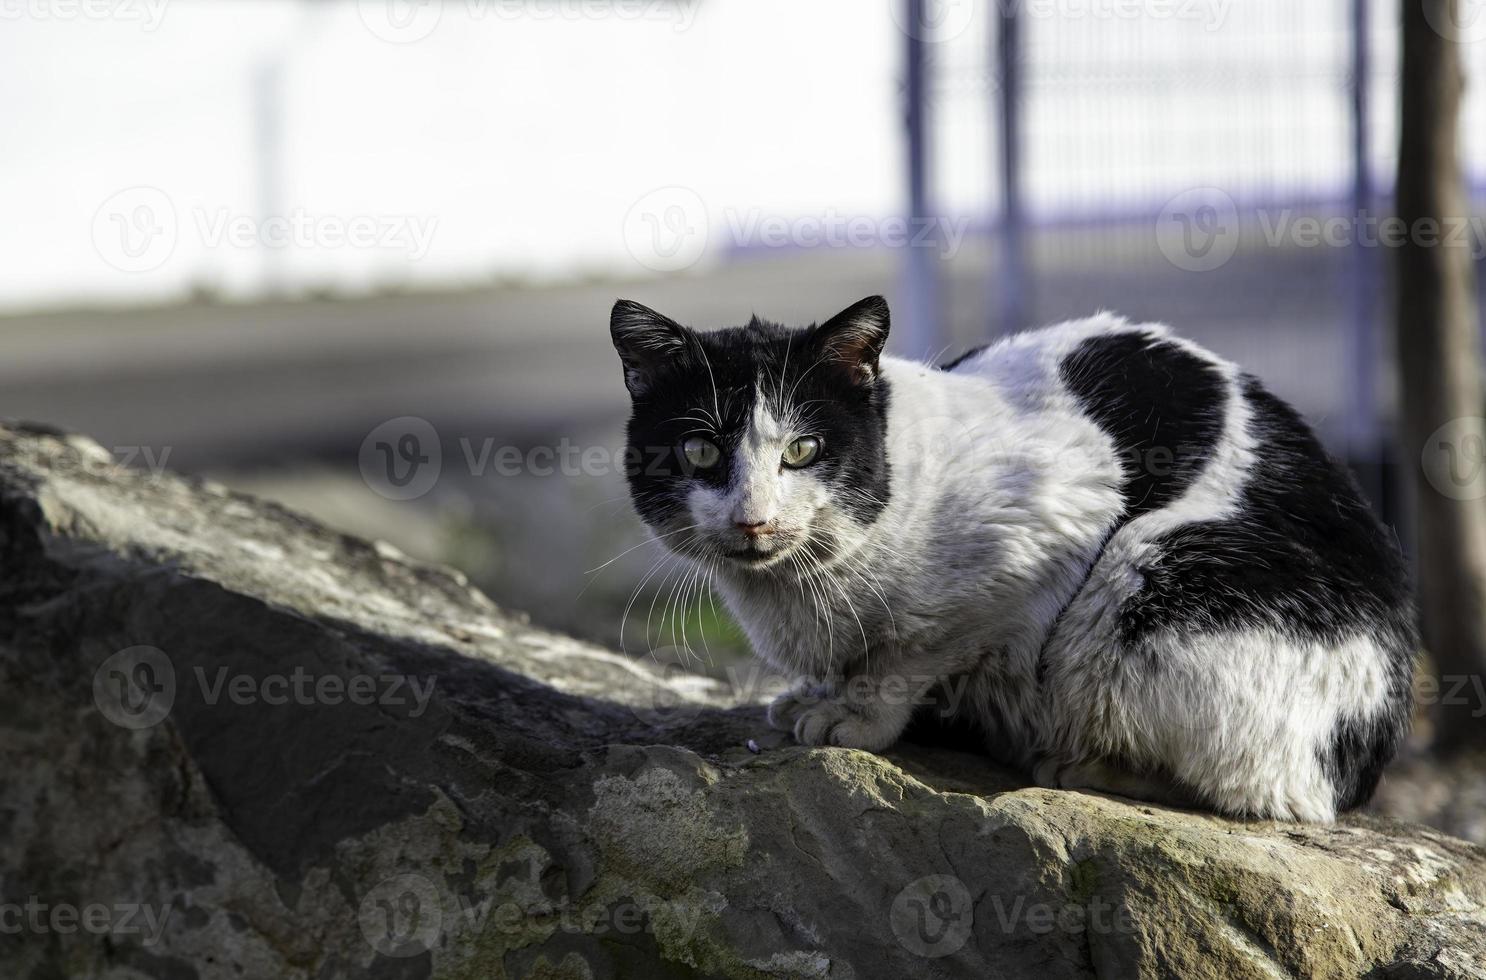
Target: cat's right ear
[{"x": 645, "y": 340}]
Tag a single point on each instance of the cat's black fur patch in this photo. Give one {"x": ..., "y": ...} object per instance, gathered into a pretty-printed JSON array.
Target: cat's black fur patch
[
  {"x": 1162, "y": 405},
  {"x": 850, "y": 420},
  {"x": 1301, "y": 518},
  {"x": 1360, "y": 749},
  {"x": 1303, "y": 555}
]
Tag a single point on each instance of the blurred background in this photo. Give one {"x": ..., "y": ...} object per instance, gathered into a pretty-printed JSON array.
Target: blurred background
[{"x": 358, "y": 256}]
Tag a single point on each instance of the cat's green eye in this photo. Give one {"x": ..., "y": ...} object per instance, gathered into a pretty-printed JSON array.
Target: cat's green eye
[
  {"x": 701, "y": 453},
  {"x": 801, "y": 452}
]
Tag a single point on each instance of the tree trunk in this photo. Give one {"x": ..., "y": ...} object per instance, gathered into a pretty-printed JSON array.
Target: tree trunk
[{"x": 1439, "y": 364}]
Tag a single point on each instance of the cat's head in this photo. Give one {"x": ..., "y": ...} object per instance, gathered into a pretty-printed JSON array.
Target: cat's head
[{"x": 761, "y": 446}]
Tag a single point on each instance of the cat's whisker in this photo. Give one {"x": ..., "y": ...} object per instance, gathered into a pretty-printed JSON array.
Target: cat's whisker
[
  {"x": 803, "y": 582},
  {"x": 717, "y": 409},
  {"x": 705, "y": 592},
  {"x": 653, "y": 539},
  {"x": 851, "y": 607},
  {"x": 650, "y": 615},
  {"x": 635, "y": 594},
  {"x": 650, "y": 638},
  {"x": 685, "y": 611}
]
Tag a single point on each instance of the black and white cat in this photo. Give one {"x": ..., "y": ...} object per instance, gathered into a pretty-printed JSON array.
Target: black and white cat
[{"x": 1140, "y": 568}]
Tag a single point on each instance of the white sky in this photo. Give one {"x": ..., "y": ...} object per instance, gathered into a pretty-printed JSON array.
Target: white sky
[{"x": 520, "y": 134}]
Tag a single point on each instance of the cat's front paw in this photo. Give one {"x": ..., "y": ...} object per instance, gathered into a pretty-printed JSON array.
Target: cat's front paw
[
  {"x": 847, "y": 725},
  {"x": 787, "y": 709}
]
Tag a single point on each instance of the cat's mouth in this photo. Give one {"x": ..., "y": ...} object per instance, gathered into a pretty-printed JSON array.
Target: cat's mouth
[
  {"x": 753, "y": 556},
  {"x": 759, "y": 554}
]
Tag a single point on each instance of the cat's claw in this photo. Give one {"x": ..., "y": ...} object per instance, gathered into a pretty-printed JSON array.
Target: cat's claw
[
  {"x": 785, "y": 710},
  {"x": 845, "y": 725}
]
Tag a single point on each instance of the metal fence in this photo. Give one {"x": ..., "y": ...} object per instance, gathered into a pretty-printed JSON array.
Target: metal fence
[{"x": 1221, "y": 166}]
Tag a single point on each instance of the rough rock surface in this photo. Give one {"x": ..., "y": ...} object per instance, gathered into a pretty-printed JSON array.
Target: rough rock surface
[{"x": 174, "y": 806}]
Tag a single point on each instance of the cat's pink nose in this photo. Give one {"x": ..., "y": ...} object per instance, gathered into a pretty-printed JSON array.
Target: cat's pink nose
[{"x": 754, "y": 530}]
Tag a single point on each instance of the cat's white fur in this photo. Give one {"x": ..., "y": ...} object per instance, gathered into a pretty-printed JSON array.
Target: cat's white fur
[{"x": 1000, "y": 563}]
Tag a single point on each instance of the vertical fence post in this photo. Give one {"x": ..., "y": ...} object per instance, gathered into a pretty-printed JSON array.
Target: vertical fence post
[
  {"x": 1361, "y": 426},
  {"x": 923, "y": 329},
  {"x": 1011, "y": 279},
  {"x": 268, "y": 126}
]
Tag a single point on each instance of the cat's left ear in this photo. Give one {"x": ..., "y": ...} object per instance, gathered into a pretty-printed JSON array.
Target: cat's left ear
[
  {"x": 646, "y": 341},
  {"x": 853, "y": 339}
]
